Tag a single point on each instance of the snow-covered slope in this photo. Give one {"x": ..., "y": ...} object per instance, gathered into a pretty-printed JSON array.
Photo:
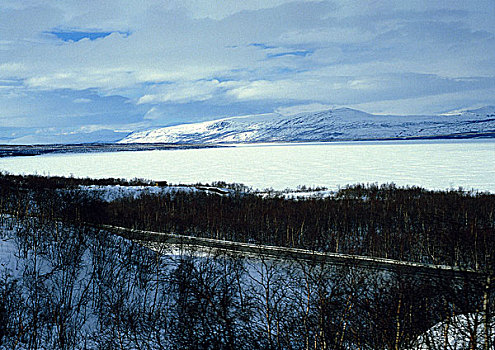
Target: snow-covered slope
[{"x": 335, "y": 124}]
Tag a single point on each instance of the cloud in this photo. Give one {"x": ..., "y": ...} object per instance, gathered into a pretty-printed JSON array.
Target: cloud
[
  {"x": 11, "y": 68},
  {"x": 305, "y": 108},
  {"x": 27, "y": 23},
  {"x": 351, "y": 90},
  {"x": 260, "y": 89},
  {"x": 185, "y": 92},
  {"x": 236, "y": 57},
  {"x": 65, "y": 108},
  {"x": 82, "y": 100},
  {"x": 439, "y": 103}
]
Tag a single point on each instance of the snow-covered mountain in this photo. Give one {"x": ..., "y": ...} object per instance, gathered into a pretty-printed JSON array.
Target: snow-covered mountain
[{"x": 334, "y": 124}]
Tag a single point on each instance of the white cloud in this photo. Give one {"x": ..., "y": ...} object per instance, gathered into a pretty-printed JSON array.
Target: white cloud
[
  {"x": 273, "y": 53},
  {"x": 11, "y": 67},
  {"x": 83, "y": 79},
  {"x": 344, "y": 35},
  {"x": 184, "y": 92},
  {"x": 305, "y": 108},
  {"x": 82, "y": 100},
  {"x": 153, "y": 114},
  {"x": 363, "y": 84},
  {"x": 430, "y": 104},
  {"x": 265, "y": 89},
  {"x": 221, "y": 9}
]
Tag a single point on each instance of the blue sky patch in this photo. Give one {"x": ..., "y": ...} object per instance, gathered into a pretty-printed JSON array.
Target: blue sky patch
[
  {"x": 298, "y": 53},
  {"x": 262, "y": 46},
  {"x": 79, "y": 35}
]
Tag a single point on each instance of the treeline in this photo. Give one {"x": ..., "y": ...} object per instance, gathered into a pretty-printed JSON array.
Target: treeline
[
  {"x": 70, "y": 287},
  {"x": 452, "y": 227},
  {"x": 10, "y": 182}
]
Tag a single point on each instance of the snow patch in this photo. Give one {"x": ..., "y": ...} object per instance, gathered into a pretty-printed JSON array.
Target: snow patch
[
  {"x": 111, "y": 193},
  {"x": 456, "y": 333}
]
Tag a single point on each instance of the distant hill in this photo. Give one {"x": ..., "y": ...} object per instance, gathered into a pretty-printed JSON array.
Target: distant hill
[
  {"x": 103, "y": 136},
  {"x": 333, "y": 124}
]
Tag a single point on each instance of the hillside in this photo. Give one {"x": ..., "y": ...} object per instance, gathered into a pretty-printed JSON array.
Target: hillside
[
  {"x": 69, "y": 282},
  {"x": 334, "y": 124}
]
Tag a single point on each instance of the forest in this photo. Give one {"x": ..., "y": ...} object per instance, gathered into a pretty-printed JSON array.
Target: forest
[{"x": 67, "y": 284}]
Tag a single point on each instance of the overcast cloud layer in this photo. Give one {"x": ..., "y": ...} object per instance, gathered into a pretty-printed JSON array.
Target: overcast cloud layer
[{"x": 103, "y": 68}]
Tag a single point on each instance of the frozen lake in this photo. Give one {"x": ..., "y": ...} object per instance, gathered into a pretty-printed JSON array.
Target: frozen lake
[{"x": 436, "y": 164}]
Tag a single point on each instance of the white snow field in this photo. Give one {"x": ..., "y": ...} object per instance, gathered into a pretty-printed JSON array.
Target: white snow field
[{"x": 433, "y": 164}]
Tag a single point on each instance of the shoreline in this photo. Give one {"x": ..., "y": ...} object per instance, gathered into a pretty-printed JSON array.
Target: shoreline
[{"x": 7, "y": 150}]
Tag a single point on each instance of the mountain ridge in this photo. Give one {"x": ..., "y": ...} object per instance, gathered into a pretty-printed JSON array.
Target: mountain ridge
[{"x": 327, "y": 125}]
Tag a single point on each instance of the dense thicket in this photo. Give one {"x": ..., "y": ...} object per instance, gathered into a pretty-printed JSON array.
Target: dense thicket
[
  {"x": 452, "y": 227},
  {"x": 9, "y": 182},
  {"x": 443, "y": 227}
]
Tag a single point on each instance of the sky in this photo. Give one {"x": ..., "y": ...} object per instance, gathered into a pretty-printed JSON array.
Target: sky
[{"x": 95, "y": 70}]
